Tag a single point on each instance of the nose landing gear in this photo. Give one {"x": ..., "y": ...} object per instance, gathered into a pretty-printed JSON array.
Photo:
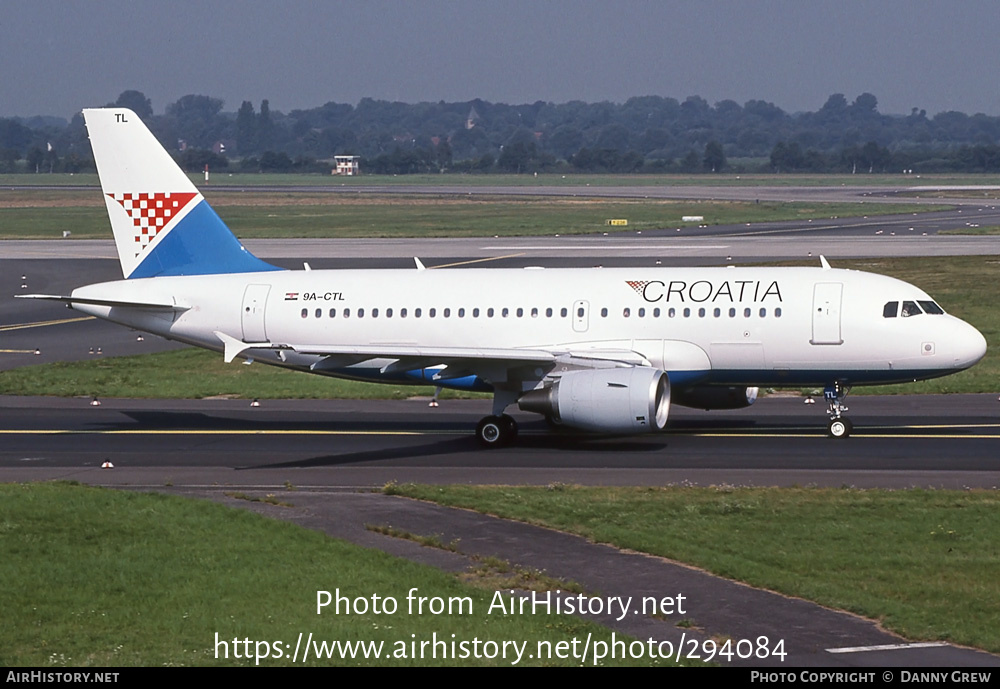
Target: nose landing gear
[{"x": 839, "y": 425}]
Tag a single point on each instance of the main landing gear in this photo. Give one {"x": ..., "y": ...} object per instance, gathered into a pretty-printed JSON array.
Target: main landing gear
[
  {"x": 839, "y": 425},
  {"x": 496, "y": 431}
]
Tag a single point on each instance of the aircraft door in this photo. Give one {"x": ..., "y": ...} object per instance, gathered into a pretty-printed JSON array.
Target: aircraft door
[
  {"x": 254, "y": 303},
  {"x": 826, "y": 313},
  {"x": 581, "y": 316}
]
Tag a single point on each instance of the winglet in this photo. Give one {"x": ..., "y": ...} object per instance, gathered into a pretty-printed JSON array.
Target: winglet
[{"x": 823, "y": 262}]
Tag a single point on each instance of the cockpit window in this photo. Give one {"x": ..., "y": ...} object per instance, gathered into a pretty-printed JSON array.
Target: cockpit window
[
  {"x": 931, "y": 307},
  {"x": 889, "y": 310},
  {"x": 910, "y": 308}
]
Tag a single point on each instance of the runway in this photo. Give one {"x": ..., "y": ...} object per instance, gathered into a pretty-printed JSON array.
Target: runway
[{"x": 931, "y": 441}]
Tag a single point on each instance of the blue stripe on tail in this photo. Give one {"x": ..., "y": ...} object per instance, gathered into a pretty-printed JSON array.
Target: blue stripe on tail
[{"x": 200, "y": 244}]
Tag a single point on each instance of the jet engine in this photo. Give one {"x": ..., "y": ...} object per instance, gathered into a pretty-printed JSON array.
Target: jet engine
[
  {"x": 707, "y": 397},
  {"x": 609, "y": 400}
]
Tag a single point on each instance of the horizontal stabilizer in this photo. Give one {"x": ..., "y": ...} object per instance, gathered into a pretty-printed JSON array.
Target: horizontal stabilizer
[{"x": 104, "y": 302}]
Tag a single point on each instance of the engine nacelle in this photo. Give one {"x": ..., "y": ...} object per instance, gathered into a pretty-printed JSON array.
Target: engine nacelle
[
  {"x": 707, "y": 397},
  {"x": 610, "y": 400}
]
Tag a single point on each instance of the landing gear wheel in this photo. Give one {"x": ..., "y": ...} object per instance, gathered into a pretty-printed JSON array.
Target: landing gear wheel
[
  {"x": 840, "y": 427},
  {"x": 496, "y": 431}
]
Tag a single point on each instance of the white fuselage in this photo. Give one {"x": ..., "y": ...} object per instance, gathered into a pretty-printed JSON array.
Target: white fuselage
[{"x": 719, "y": 326}]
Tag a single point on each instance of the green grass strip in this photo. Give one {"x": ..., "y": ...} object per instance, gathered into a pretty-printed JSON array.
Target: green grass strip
[
  {"x": 96, "y": 577},
  {"x": 192, "y": 374},
  {"x": 31, "y": 214},
  {"x": 244, "y": 179},
  {"x": 923, "y": 563}
]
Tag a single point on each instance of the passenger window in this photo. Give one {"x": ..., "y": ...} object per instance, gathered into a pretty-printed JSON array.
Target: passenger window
[
  {"x": 717, "y": 312},
  {"x": 489, "y": 312},
  {"x": 361, "y": 313},
  {"x": 701, "y": 313},
  {"x": 388, "y": 313},
  {"x": 627, "y": 312},
  {"x": 347, "y": 313},
  {"x": 777, "y": 312},
  {"x": 447, "y": 313},
  {"x": 656, "y": 312},
  {"x": 579, "y": 312},
  {"x": 604, "y": 313},
  {"x": 305, "y": 313},
  {"x": 374, "y": 313},
  {"x": 687, "y": 312},
  {"x": 889, "y": 310},
  {"x": 563, "y": 312},
  {"x": 548, "y": 312},
  {"x": 319, "y": 313},
  {"x": 746, "y": 313},
  {"x": 333, "y": 313},
  {"x": 534, "y": 312},
  {"x": 763, "y": 313},
  {"x": 732, "y": 313},
  {"x": 672, "y": 312},
  {"x": 642, "y": 313},
  {"x": 520, "y": 312},
  {"x": 461, "y": 313},
  {"x": 431, "y": 313},
  {"x": 402, "y": 313},
  {"x": 475, "y": 312},
  {"x": 416, "y": 313},
  {"x": 505, "y": 312}
]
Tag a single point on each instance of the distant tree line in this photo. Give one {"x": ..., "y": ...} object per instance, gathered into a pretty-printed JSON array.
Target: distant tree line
[{"x": 644, "y": 134}]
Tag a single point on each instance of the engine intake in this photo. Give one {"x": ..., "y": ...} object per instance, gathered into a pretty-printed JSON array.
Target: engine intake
[{"x": 611, "y": 400}]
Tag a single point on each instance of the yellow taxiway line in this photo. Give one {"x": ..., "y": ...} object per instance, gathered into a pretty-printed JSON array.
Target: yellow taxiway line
[
  {"x": 475, "y": 260},
  {"x": 42, "y": 324}
]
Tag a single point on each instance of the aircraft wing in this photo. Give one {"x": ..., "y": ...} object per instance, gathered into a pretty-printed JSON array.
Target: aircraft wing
[{"x": 491, "y": 363}]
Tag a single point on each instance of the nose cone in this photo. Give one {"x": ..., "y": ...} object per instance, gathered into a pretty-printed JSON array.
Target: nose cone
[{"x": 968, "y": 344}]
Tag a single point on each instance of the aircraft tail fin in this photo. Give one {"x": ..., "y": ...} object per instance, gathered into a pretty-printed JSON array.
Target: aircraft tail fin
[{"x": 161, "y": 222}]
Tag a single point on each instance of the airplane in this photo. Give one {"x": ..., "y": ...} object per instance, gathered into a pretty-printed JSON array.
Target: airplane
[{"x": 595, "y": 349}]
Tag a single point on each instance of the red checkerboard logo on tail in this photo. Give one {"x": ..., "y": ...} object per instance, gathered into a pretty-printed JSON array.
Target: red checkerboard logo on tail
[{"x": 151, "y": 212}]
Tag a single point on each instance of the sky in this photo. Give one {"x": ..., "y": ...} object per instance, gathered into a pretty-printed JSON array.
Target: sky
[{"x": 59, "y": 56}]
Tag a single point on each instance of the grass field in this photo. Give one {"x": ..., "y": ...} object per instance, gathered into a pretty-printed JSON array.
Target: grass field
[
  {"x": 964, "y": 286},
  {"x": 922, "y": 563},
  {"x": 475, "y": 180},
  {"x": 107, "y": 578},
  {"x": 46, "y": 214},
  {"x": 988, "y": 230},
  {"x": 191, "y": 373}
]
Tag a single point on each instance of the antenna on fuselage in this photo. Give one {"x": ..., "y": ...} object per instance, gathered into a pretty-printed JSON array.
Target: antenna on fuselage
[
  {"x": 420, "y": 266},
  {"x": 823, "y": 262}
]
